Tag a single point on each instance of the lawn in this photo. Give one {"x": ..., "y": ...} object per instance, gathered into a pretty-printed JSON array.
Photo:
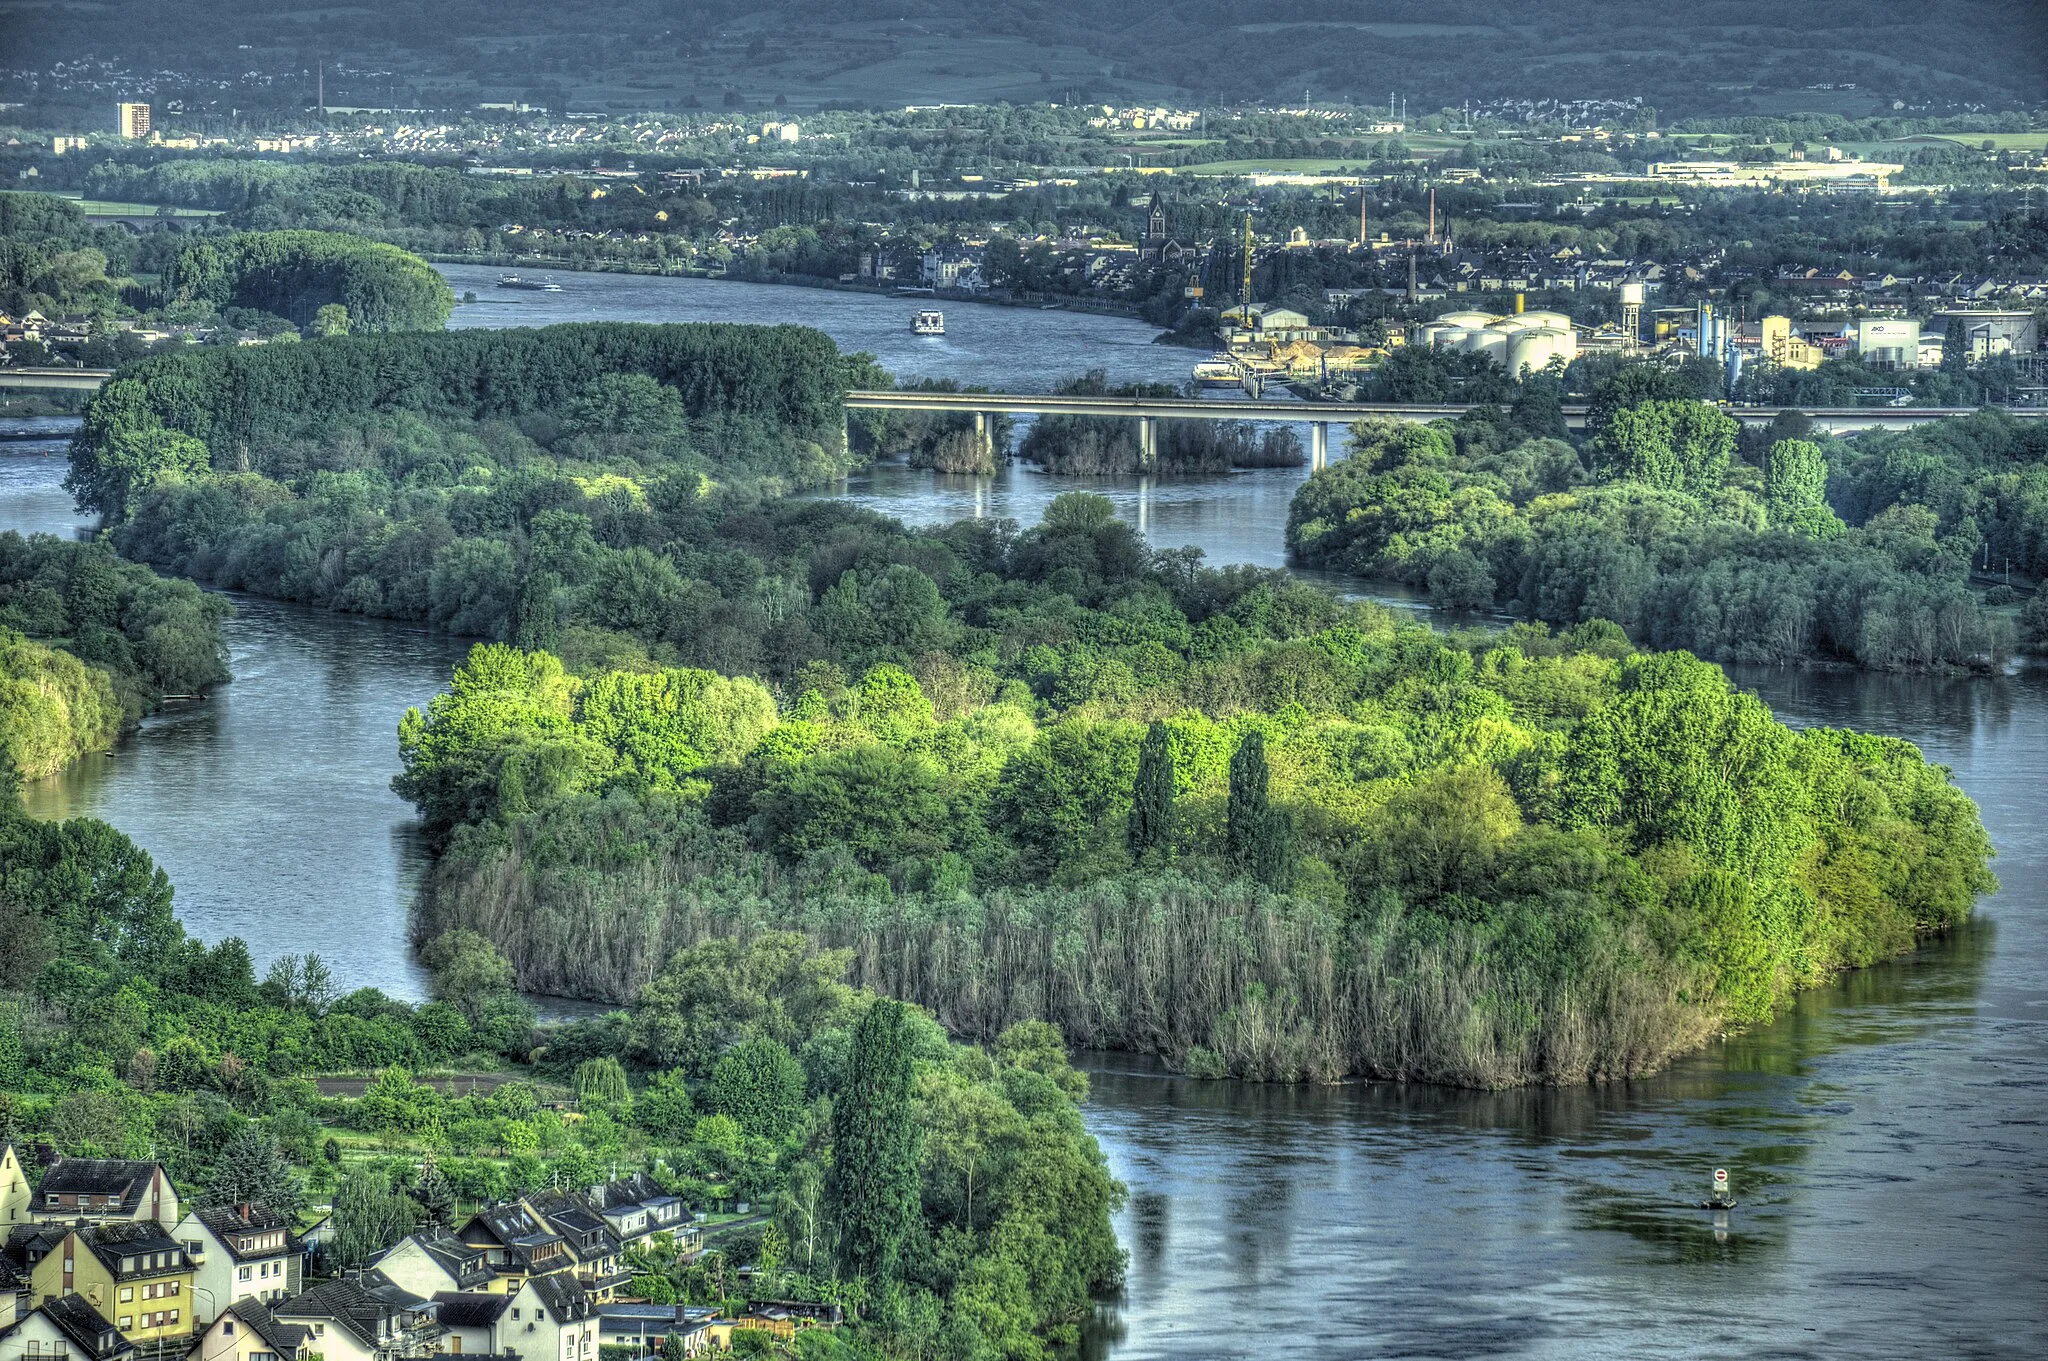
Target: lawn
[
  {"x": 2004, "y": 141},
  {"x": 94, "y": 207}
]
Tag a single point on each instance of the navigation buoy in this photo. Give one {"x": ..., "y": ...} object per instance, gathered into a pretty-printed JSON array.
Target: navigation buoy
[{"x": 1720, "y": 1200}]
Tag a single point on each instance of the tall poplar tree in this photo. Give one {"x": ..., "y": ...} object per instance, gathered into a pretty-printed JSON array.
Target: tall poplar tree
[
  {"x": 1150, "y": 830},
  {"x": 1247, "y": 810},
  {"x": 874, "y": 1145}
]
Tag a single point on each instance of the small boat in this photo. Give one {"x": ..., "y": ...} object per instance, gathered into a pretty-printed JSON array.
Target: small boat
[
  {"x": 929, "y": 322},
  {"x": 530, "y": 285},
  {"x": 1217, "y": 373}
]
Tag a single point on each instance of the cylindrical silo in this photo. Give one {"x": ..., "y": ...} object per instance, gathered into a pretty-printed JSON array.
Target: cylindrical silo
[
  {"x": 1468, "y": 320},
  {"x": 1491, "y": 341},
  {"x": 1450, "y": 337},
  {"x": 1533, "y": 349}
]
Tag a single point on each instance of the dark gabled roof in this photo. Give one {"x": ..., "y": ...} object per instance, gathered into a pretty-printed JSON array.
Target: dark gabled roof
[
  {"x": 82, "y": 1324},
  {"x": 284, "y": 1338},
  {"x": 621, "y": 1192},
  {"x": 572, "y": 1216},
  {"x": 112, "y": 1243},
  {"x": 508, "y": 1224},
  {"x": 464, "y": 1264},
  {"x": 470, "y": 1309},
  {"x": 99, "y": 1177},
  {"x": 27, "y": 1244},
  {"x": 226, "y": 1224},
  {"x": 565, "y": 1300},
  {"x": 357, "y": 1305}
]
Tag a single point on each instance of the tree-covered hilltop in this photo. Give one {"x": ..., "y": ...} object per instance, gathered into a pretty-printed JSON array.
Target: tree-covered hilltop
[
  {"x": 1670, "y": 521},
  {"x": 294, "y": 274},
  {"x": 92, "y": 644},
  {"x": 947, "y": 1195},
  {"x": 1052, "y": 776}
]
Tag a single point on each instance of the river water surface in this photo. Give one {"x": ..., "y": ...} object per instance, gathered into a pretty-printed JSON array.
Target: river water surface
[{"x": 1885, "y": 1139}]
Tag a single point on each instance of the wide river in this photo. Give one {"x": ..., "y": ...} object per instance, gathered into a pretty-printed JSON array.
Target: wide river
[{"x": 1886, "y": 1138}]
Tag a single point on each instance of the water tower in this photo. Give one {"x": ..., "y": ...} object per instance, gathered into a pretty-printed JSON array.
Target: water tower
[{"x": 1632, "y": 311}]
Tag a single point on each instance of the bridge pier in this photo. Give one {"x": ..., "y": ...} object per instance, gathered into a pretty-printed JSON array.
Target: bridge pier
[
  {"x": 982, "y": 445},
  {"x": 1318, "y": 446},
  {"x": 1148, "y": 442}
]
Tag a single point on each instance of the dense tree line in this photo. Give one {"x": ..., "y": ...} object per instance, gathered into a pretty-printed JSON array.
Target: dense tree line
[
  {"x": 141, "y": 636},
  {"x": 179, "y": 413},
  {"x": 295, "y": 274},
  {"x": 1776, "y": 546}
]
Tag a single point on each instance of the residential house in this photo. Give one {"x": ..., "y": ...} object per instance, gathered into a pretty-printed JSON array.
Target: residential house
[
  {"x": 14, "y": 1193},
  {"x": 433, "y": 1261},
  {"x": 544, "y": 1318},
  {"x": 646, "y": 1327},
  {"x": 240, "y": 1252},
  {"x": 364, "y": 1318},
  {"x": 471, "y": 1319},
  {"x": 106, "y": 1189},
  {"x": 247, "y": 1331},
  {"x": 516, "y": 1243},
  {"x": 637, "y": 1209},
  {"x": 591, "y": 1241},
  {"x": 135, "y": 1274},
  {"x": 64, "y": 1329},
  {"x": 12, "y": 1290}
]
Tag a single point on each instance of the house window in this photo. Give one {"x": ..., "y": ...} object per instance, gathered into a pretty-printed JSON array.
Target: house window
[
  {"x": 244, "y": 1274},
  {"x": 174, "y": 1287},
  {"x": 127, "y": 1293},
  {"x": 127, "y": 1322},
  {"x": 227, "y": 1327}
]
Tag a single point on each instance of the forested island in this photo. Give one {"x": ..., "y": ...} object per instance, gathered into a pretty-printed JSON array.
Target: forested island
[
  {"x": 1041, "y": 774},
  {"x": 1779, "y": 545}
]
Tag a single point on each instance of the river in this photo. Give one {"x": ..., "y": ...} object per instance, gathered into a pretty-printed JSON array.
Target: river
[{"x": 1885, "y": 1138}]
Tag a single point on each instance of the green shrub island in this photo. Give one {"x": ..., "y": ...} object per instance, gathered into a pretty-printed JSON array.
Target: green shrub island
[{"x": 1782, "y": 546}]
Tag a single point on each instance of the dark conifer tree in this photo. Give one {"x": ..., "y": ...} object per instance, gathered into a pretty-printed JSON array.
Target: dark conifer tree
[
  {"x": 1150, "y": 830},
  {"x": 874, "y": 1145},
  {"x": 1247, "y": 811}
]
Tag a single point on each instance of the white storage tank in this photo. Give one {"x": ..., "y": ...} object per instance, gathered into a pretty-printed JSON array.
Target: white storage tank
[
  {"x": 1556, "y": 321},
  {"x": 1490, "y": 341},
  {"x": 1468, "y": 320},
  {"x": 1534, "y": 348},
  {"x": 1450, "y": 337}
]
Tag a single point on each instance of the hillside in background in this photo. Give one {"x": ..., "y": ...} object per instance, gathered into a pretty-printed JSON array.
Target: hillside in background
[{"x": 1682, "y": 59}]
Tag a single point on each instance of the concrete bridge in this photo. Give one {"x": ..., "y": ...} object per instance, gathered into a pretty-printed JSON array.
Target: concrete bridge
[
  {"x": 1320, "y": 416},
  {"x": 1149, "y": 411},
  {"x": 67, "y": 380}
]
